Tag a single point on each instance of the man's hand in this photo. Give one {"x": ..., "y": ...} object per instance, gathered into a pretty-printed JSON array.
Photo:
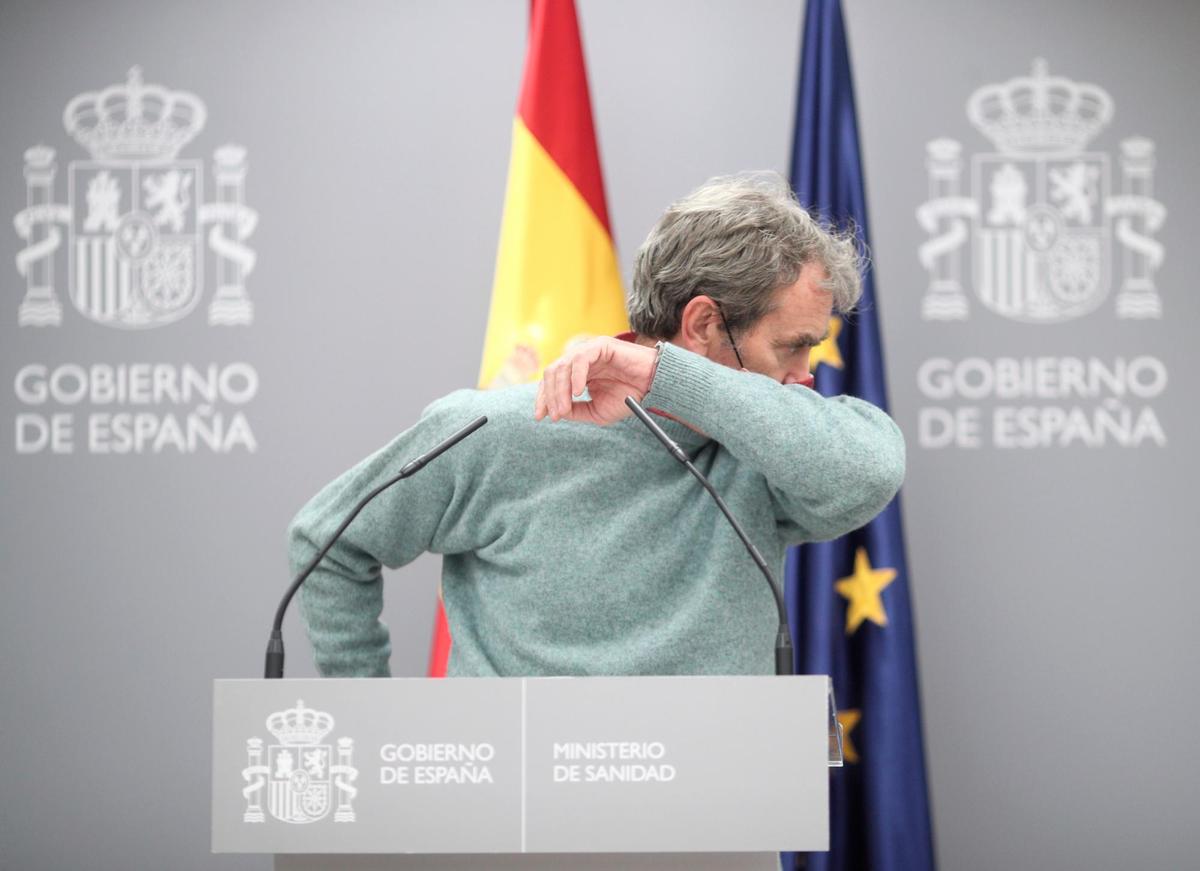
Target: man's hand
[{"x": 610, "y": 369}]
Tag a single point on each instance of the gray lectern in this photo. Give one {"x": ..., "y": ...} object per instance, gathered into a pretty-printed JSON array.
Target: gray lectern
[{"x": 507, "y": 773}]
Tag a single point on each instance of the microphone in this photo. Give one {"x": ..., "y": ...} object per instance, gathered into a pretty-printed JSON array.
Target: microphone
[
  {"x": 783, "y": 640},
  {"x": 274, "y": 665}
]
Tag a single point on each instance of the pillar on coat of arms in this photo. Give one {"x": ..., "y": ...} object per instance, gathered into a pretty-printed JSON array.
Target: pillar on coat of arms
[
  {"x": 40, "y": 306},
  {"x": 1138, "y": 297},
  {"x": 230, "y": 304},
  {"x": 944, "y": 300},
  {"x": 346, "y": 792},
  {"x": 254, "y": 773}
]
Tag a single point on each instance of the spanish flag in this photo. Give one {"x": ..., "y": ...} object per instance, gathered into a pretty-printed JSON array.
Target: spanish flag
[{"x": 557, "y": 278}]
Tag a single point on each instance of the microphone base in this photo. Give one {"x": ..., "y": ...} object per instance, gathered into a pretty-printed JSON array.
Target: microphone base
[
  {"x": 274, "y": 664},
  {"x": 784, "y": 661}
]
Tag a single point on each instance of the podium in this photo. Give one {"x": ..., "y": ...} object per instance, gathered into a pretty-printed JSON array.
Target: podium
[{"x": 508, "y": 773}]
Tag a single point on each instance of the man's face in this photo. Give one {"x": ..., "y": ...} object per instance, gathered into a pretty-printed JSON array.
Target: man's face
[{"x": 779, "y": 343}]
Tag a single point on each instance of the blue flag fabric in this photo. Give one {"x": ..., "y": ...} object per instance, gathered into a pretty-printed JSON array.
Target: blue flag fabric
[{"x": 848, "y": 600}]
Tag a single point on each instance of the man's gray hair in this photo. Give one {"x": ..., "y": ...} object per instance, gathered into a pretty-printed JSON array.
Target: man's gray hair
[{"x": 737, "y": 239}]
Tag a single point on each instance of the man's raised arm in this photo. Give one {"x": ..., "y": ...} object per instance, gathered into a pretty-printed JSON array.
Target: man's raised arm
[{"x": 832, "y": 463}]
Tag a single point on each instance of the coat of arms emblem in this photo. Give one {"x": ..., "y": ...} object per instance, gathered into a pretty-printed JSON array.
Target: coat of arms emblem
[
  {"x": 1041, "y": 209},
  {"x": 136, "y": 221},
  {"x": 300, "y": 772}
]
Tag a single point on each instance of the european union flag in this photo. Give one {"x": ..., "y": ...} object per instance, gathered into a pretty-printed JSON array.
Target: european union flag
[{"x": 848, "y": 599}]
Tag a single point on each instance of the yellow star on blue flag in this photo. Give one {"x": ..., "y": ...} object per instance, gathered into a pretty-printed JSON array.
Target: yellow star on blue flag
[{"x": 863, "y": 590}]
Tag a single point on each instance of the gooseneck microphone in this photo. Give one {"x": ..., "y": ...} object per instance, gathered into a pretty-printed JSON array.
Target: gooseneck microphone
[
  {"x": 274, "y": 666},
  {"x": 783, "y": 640}
]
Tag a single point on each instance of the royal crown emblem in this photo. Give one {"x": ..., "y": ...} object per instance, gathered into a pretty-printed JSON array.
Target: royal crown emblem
[
  {"x": 1041, "y": 212},
  {"x": 299, "y": 772},
  {"x": 135, "y": 218}
]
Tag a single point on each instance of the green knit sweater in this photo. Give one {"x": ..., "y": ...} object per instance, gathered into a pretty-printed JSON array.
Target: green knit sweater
[{"x": 574, "y": 549}]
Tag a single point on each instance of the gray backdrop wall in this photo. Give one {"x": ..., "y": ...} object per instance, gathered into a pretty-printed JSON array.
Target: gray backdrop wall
[{"x": 1052, "y": 573}]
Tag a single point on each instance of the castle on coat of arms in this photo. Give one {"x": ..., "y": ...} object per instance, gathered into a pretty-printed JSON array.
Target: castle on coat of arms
[
  {"x": 136, "y": 223},
  {"x": 1041, "y": 213}
]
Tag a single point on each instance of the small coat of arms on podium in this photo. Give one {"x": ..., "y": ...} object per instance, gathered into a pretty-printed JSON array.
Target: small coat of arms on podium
[{"x": 300, "y": 772}]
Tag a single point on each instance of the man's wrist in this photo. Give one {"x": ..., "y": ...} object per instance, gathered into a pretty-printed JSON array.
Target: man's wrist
[
  {"x": 682, "y": 384},
  {"x": 658, "y": 352}
]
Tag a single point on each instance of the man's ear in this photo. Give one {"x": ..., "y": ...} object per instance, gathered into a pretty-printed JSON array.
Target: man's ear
[{"x": 699, "y": 326}]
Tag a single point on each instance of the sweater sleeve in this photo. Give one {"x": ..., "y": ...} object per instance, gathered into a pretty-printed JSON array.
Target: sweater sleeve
[
  {"x": 831, "y": 464},
  {"x": 342, "y": 599}
]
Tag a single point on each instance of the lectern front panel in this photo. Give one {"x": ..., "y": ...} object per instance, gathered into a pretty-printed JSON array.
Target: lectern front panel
[{"x": 521, "y": 765}]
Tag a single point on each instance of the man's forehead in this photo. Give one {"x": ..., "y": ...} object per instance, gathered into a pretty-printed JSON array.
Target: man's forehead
[{"x": 803, "y": 309}]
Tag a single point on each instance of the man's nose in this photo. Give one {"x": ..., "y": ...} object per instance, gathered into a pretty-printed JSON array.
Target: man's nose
[{"x": 802, "y": 377}]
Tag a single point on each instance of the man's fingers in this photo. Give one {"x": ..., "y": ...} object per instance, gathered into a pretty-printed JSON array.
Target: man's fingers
[
  {"x": 602, "y": 367},
  {"x": 582, "y": 365},
  {"x": 548, "y": 391},
  {"x": 560, "y": 406},
  {"x": 539, "y": 403},
  {"x": 565, "y": 388},
  {"x": 579, "y": 373},
  {"x": 564, "y": 379}
]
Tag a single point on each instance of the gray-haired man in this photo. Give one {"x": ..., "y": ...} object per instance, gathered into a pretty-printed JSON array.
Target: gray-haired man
[{"x": 577, "y": 548}]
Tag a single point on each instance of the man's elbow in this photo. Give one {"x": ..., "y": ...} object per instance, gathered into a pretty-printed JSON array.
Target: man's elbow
[
  {"x": 875, "y": 480},
  {"x": 887, "y": 474},
  {"x": 875, "y": 462}
]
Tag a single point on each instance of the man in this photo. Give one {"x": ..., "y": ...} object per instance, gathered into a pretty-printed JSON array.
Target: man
[{"x": 573, "y": 542}]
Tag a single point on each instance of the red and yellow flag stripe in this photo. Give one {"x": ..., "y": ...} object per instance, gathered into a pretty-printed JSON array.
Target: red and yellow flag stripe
[{"x": 557, "y": 278}]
